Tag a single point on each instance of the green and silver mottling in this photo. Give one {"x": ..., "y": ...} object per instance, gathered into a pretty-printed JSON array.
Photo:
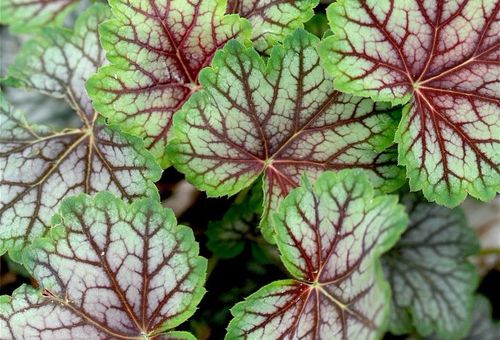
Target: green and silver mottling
[
  {"x": 330, "y": 237},
  {"x": 282, "y": 119},
  {"x": 432, "y": 282},
  {"x": 108, "y": 270},
  {"x": 40, "y": 167},
  {"x": 441, "y": 59}
]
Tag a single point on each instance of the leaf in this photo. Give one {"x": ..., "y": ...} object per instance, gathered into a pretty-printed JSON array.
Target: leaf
[
  {"x": 111, "y": 271},
  {"x": 433, "y": 284},
  {"x": 30, "y": 15},
  {"x": 330, "y": 237},
  {"x": 318, "y": 25},
  {"x": 483, "y": 327},
  {"x": 227, "y": 238},
  {"x": 40, "y": 167},
  {"x": 42, "y": 109},
  {"x": 483, "y": 219},
  {"x": 60, "y": 61},
  {"x": 442, "y": 58},
  {"x": 156, "y": 50},
  {"x": 272, "y": 20},
  {"x": 282, "y": 120}
]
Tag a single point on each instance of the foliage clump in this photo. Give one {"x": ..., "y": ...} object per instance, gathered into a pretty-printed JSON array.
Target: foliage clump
[{"x": 332, "y": 145}]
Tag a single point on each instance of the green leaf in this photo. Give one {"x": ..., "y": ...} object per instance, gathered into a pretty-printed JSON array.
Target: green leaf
[
  {"x": 227, "y": 238},
  {"x": 441, "y": 58},
  {"x": 483, "y": 326},
  {"x": 330, "y": 238},
  {"x": 30, "y": 15},
  {"x": 156, "y": 50},
  {"x": 40, "y": 167},
  {"x": 282, "y": 120},
  {"x": 318, "y": 25},
  {"x": 111, "y": 270},
  {"x": 272, "y": 20},
  {"x": 432, "y": 282}
]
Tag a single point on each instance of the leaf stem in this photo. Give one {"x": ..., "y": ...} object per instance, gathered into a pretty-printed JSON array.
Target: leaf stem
[
  {"x": 212, "y": 262},
  {"x": 489, "y": 251}
]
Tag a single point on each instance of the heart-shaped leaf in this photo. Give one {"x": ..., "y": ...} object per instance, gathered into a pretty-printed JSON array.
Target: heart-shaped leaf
[
  {"x": 109, "y": 271},
  {"x": 272, "y": 20},
  {"x": 432, "y": 282},
  {"x": 282, "y": 120},
  {"x": 30, "y": 15},
  {"x": 442, "y": 56},
  {"x": 40, "y": 167},
  {"x": 330, "y": 238},
  {"x": 156, "y": 50}
]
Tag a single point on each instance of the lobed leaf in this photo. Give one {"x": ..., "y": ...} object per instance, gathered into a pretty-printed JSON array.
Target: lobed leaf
[
  {"x": 440, "y": 57},
  {"x": 272, "y": 20},
  {"x": 40, "y": 167},
  {"x": 111, "y": 270},
  {"x": 330, "y": 237},
  {"x": 433, "y": 284},
  {"x": 282, "y": 120},
  {"x": 156, "y": 50},
  {"x": 30, "y": 15}
]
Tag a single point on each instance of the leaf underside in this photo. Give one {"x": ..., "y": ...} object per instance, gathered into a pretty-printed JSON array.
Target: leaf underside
[
  {"x": 442, "y": 58},
  {"x": 330, "y": 238},
  {"x": 109, "y": 271},
  {"x": 432, "y": 282},
  {"x": 282, "y": 120},
  {"x": 40, "y": 167}
]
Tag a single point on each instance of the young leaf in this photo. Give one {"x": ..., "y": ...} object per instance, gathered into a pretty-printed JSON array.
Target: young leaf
[
  {"x": 330, "y": 237},
  {"x": 156, "y": 50},
  {"x": 441, "y": 57},
  {"x": 40, "y": 167},
  {"x": 227, "y": 237},
  {"x": 272, "y": 20},
  {"x": 282, "y": 120},
  {"x": 30, "y": 15},
  {"x": 432, "y": 282},
  {"x": 110, "y": 271}
]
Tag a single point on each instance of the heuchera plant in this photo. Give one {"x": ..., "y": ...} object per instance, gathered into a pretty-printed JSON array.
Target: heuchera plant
[{"x": 332, "y": 144}]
